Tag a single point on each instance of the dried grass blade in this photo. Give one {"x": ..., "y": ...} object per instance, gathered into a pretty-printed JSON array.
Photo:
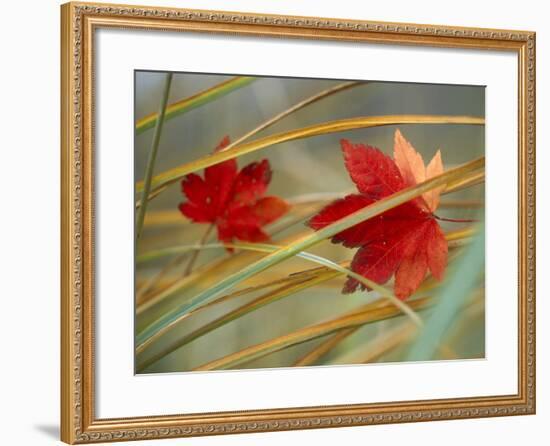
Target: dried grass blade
[
  {"x": 267, "y": 298},
  {"x": 298, "y": 106},
  {"x": 179, "y": 172},
  {"x": 262, "y": 247},
  {"x": 311, "y": 332},
  {"x": 322, "y": 349},
  {"x": 192, "y": 102},
  {"x": 312, "y": 99},
  {"x": 463, "y": 183}
]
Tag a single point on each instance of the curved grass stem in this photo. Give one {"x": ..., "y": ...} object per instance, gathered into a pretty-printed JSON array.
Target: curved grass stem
[
  {"x": 285, "y": 290},
  {"x": 261, "y": 247},
  {"x": 192, "y": 102},
  {"x": 174, "y": 263},
  {"x": 175, "y": 174},
  {"x": 153, "y": 155},
  {"x": 364, "y": 316},
  {"x": 311, "y": 357},
  {"x": 195, "y": 254},
  {"x": 270, "y": 122}
]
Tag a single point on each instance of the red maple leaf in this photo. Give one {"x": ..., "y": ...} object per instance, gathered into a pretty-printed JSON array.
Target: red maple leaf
[
  {"x": 404, "y": 241},
  {"x": 232, "y": 200}
]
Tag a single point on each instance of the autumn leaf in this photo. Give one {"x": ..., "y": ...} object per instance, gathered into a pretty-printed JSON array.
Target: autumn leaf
[
  {"x": 405, "y": 241},
  {"x": 233, "y": 200},
  {"x": 412, "y": 168}
]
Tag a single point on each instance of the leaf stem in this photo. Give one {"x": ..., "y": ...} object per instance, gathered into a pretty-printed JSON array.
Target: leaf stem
[
  {"x": 153, "y": 155},
  {"x": 196, "y": 252},
  {"x": 456, "y": 220}
]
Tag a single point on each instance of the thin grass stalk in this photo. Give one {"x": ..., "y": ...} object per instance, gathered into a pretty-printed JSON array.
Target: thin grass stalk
[
  {"x": 383, "y": 291},
  {"x": 181, "y": 283},
  {"x": 317, "y": 353},
  {"x": 196, "y": 253},
  {"x": 292, "y": 278},
  {"x": 461, "y": 234},
  {"x": 298, "y": 106},
  {"x": 175, "y": 174},
  {"x": 376, "y": 347},
  {"x": 163, "y": 324},
  {"x": 310, "y": 276},
  {"x": 175, "y": 217},
  {"x": 387, "y": 342},
  {"x": 152, "y": 195},
  {"x": 313, "y": 356},
  {"x": 153, "y": 154},
  {"x": 312, "y": 332},
  {"x": 267, "y": 298},
  {"x": 141, "y": 293},
  {"x": 173, "y": 264},
  {"x": 395, "y": 338},
  {"x": 455, "y": 244},
  {"x": 386, "y": 293},
  {"x": 312, "y": 99},
  {"x": 457, "y": 234},
  {"x": 192, "y": 102}
]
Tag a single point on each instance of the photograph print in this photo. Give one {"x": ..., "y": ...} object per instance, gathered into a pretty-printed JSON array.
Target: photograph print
[{"x": 300, "y": 222}]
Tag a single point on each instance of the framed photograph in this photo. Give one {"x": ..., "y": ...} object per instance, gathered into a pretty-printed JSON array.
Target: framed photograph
[{"x": 275, "y": 223}]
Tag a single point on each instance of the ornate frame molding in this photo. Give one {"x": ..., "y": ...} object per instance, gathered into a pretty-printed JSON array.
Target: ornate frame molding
[{"x": 79, "y": 20}]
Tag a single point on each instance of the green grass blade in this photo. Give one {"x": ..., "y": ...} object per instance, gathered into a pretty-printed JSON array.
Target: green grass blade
[
  {"x": 452, "y": 297},
  {"x": 265, "y": 299},
  {"x": 453, "y": 237},
  {"x": 209, "y": 270},
  {"x": 159, "y": 123},
  {"x": 262, "y": 247},
  {"x": 195, "y": 101},
  {"x": 168, "y": 320}
]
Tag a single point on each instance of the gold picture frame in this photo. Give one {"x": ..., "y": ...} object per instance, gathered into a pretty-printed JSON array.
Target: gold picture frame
[{"x": 78, "y": 421}]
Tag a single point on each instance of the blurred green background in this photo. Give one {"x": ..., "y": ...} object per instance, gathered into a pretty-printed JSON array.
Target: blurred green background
[{"x": 301, "y": 167}]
